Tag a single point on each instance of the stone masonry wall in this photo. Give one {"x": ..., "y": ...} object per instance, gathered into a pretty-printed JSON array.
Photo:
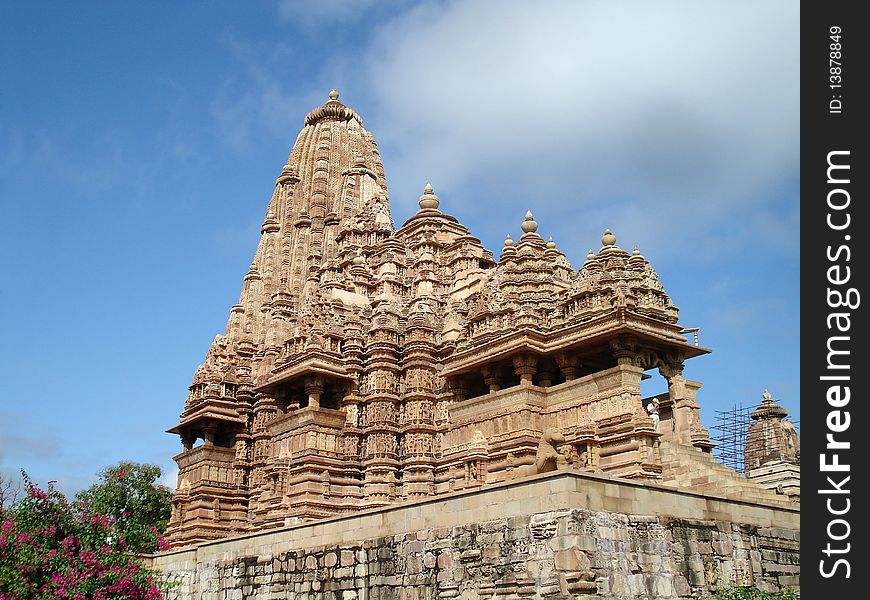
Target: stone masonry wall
[{"x": 569, "y": 552}]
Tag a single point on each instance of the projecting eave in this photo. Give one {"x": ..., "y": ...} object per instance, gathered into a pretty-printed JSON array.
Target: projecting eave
[
  {"x": 213, "y": 413},
  {"x": 309, "y": 364},
  {"x": 589, "y": 336}
]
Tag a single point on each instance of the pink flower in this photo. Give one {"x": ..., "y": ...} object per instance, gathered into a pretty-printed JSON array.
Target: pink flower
[{"x": 37, "y": 493}]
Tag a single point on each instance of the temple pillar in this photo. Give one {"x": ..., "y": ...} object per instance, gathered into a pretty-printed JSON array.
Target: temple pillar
[
  {"x": 314, "y": 389},
  {"x": 623, "y": 350},
  {"x": 525, "y": 366},
  {"x": 459, "y": 387},
  {"x": 492, "y": 377},
  {"x": 569, "y": 365},
  {"x": 208, "y": 434},
  {"x": 545, "y": 378},
  {"x": 680, "y": 411},
  {"x": 685, "y": 411}
]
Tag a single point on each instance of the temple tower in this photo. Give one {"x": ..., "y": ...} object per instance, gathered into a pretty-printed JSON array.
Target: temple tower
[
  {"x": 366, "y": 364},
  {"x": 332, "y": 184},
  {"x": 772, "y": 453}
]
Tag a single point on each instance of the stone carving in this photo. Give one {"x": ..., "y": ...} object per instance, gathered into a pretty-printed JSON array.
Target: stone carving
[
  {"x": 445, "y": 360},
  {"x": 543, "y": 526},
  {"x": 547, "y": 457}
]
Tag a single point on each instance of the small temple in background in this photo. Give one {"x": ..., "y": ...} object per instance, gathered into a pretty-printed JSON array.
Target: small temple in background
[
  {"x": 367, "y": 364},
  {"x": 773, "y": 449}
]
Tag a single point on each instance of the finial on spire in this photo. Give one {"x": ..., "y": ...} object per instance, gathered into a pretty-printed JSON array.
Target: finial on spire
[
  {"x": 636, "y": 261},
  {"x": 509, "y": 247},
  {"x": 529, "y": 225},
  {"x": 429, "y": 200},
  {"x": 333, "y": 94},
  {"x": 608, "y": 239},
  {"x": 551, "y": 245},
  {"x": 590, "y": 255}
]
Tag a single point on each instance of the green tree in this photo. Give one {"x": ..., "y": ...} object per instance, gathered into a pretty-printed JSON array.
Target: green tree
[
  {"x": 50, "y": 549},
  {"x": 129, "y": 494},
  {"x": 753, "y": 593}
]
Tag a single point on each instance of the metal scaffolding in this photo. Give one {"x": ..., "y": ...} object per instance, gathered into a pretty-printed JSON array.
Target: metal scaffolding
[
  {"x": 730, "y": 438},
  {"x": 731, "y": 428}
]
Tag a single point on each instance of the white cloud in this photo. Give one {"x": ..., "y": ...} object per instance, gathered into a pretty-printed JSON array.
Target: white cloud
[
  {"x": 663, "y": 118},
  {"x": 169, "y": 478},
  {"x": 310, "y": 13},
  {"x": 674, "y": 123}
]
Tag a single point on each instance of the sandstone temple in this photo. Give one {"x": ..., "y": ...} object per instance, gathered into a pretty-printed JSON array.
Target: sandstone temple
[{"x": 370, "y": 369}]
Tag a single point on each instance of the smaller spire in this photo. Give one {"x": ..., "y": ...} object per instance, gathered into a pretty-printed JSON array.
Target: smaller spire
[
  {"x": 608, "y": 239},
  {"x": 768, "y": 408},
  {"x": 270, "y": 225},
  {"x": 333, "y": 94},
  {"x": 592, "y": 265},
  {"x": 429, "y": 201},
  {"x": 529, "y": 224},
  {"x": 509, "y": 248},
  {"x": 637, "y": 260},
  {"x": 551, "y": 251}
]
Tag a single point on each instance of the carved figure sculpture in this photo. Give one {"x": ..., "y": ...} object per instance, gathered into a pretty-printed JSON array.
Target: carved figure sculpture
[{"x": 548, "y": 456}]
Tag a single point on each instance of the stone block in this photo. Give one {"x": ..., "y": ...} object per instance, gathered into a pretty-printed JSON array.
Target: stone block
[
  {"x": 681, "y": 586},
  {"x": 723, "y": 548},
  {"x": 571, "y": 559}
]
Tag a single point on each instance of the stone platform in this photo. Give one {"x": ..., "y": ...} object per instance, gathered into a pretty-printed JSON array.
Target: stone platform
[{"x": 560, "y": 535}]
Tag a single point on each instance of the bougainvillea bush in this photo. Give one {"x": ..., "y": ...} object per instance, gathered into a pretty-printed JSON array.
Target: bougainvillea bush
[
  {"x": 51, "y": 548},
  {"x": 130, "y": 495}
]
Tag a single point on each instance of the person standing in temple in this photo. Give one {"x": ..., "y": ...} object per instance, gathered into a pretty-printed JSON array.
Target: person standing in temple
[{"x": 652, "y": 409}]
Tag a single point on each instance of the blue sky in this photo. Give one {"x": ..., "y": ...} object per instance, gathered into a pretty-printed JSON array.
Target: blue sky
[{"x": 139, "y": 143}]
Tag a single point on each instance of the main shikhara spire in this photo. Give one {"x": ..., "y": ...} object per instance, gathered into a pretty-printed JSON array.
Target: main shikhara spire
[{"x": 366, "y": 364}]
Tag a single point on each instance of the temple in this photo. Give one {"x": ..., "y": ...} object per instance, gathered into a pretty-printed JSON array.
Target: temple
[{"x": 367, "y": 364}]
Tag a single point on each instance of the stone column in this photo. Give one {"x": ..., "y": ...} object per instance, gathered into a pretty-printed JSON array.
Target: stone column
[
  {"x": 624, "y": 350},
  {"x": 492, "y": 377},
  {"x": 569, "y": 365},
  {"x": 209, "y": 433},
  {"x": 314, "y": 389},
  {"x": 525, "y": 366},
  {"x": 459, "y": 387},
  {"x": 680, "y": 405},
  {"x": 545, "y": 378}
]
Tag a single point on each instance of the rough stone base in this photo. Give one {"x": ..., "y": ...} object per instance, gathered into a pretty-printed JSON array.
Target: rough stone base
[{"x": 563, "y": 535}]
